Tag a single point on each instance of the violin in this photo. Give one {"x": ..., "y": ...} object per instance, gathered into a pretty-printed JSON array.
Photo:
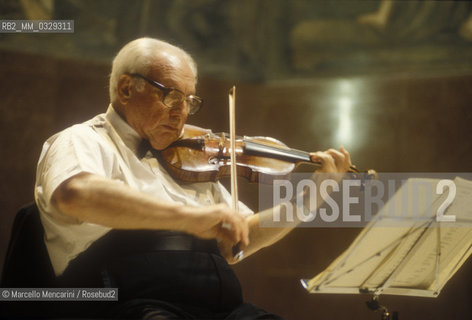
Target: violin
[{"x": 201, "y": 155}]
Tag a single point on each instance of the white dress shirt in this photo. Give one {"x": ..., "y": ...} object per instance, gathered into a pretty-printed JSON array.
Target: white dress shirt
[{"x": 107, "y": 146}]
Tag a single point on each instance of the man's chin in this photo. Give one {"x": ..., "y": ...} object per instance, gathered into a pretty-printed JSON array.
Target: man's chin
[{"x": 164, "y": 140}]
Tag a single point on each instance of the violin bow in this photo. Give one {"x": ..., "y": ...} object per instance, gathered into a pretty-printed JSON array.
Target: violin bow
[
  {"x": 232, "y": 137},
  {"x": 237, "y": 252}
]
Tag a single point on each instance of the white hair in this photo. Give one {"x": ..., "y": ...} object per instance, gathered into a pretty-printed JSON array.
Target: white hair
[{"x": 138, "y": 56}]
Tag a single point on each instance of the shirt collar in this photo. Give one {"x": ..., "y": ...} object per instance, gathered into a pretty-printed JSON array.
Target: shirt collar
[{"x": 128, "y": 135}]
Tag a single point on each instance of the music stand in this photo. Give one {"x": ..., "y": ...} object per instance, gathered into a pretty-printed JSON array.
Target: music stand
[{"x": 402, "y": 253}]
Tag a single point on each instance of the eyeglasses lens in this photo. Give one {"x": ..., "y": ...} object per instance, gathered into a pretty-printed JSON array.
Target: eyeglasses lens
[{"x": 175, "y": 98}]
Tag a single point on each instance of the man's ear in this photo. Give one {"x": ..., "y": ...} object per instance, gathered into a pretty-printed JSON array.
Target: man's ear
[{"x": 124, "y": 88}]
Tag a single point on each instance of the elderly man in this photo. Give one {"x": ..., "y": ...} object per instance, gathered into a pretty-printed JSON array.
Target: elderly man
[{"x": 113, "y": 217}]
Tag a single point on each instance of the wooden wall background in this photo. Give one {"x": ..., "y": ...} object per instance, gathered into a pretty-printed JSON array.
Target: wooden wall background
[
  {"x": 406, "y": 115},
  {"x": 410, "y": 123}
]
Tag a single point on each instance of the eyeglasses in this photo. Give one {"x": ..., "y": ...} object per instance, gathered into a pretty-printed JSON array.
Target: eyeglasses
[{"x": 172, "y": 97}]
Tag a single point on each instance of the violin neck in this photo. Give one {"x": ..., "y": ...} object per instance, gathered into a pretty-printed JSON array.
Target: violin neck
[{"x": 263, "y": 150}]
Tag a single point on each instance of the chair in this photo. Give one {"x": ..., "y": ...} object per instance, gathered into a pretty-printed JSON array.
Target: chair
[{"x": 27, "y": 263}]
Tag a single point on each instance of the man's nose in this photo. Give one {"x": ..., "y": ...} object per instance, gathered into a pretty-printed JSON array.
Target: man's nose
[
  {"x": 181, "y": 108},
  {"x": 178, "y": 113}
]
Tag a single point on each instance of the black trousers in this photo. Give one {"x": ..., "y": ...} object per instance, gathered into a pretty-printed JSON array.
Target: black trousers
[
  {"x": 159, "y": 275},
  {"x": 159, "y": 310}
]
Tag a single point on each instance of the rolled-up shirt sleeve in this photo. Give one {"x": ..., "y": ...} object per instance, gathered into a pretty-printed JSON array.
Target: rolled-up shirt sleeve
[{"x": 75, "y": 150}]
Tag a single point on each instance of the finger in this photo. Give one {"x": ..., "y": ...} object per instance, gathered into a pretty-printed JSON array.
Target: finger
[
  {"x": 339, "y": 159},
  {"x": 242, "y": 228},
  {"x": 227, "y": 235},
  {"x": 232, "y": 253},
  {"x": 243, "y": 225},
  {"x": 327, "y": 161},
  {"x": 245, "y": 233},
  {"x": 347, "y": 155},
  {"x": 321, "y": 157},
  {"x": 226, "y": 252},
  {"x": 343, "y": 162},
  {"x": 238, "y": 224},
  {"x": 337, "y": 155},
  {"x": 235, "y": 223},
  {"x": 316, "y": 156},
  {"x": 225, "y": 231}
]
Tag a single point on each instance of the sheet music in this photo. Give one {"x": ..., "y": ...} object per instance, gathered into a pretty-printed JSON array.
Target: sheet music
[
  {"x": 455, "y": 242},
  {"x": 398, "y": 254}
]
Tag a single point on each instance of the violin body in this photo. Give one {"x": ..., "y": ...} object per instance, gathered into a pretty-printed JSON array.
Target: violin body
[{"x": 201, "y": 155}]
